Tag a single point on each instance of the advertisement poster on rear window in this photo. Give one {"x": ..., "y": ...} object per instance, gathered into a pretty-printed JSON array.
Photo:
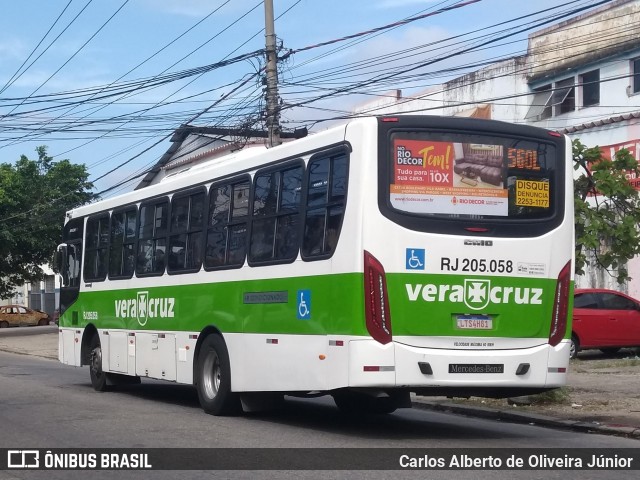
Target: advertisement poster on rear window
[{"x": 448, "y": 178}]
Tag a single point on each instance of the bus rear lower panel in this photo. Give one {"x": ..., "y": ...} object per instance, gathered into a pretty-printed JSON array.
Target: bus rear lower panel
[{"x": 432, "y": 371}]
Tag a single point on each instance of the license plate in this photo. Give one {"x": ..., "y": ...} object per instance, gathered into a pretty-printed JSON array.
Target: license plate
[
  {"x": 474, "y": 322},
  {"x": 476, "y": 368}
]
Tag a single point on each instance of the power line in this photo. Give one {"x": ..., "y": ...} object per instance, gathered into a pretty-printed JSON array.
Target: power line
[
  {"x": 76, "y": 52},
  {"x": 17, "y": 73},
  {"x": 140, "y": 64},
  {"x": 430, "y": 62},
  {"x": 384, "y": 27}
]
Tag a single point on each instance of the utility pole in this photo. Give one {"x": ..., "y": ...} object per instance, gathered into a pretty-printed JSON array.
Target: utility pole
[{"x": 273, "y": 107}]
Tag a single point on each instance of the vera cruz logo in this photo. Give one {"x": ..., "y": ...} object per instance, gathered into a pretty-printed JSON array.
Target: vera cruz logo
[
  {"x": 476, "y": 294},
  {"x": 144, "y": 307},
  {"x": 142, "y": 302}
]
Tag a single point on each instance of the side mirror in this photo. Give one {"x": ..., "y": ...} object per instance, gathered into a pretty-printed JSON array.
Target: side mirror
[
  {"x": 60, "y": 264},
  {"x": 61, "y": 255}
]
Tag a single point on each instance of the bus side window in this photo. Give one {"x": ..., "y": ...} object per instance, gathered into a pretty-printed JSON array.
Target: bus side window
[
  {"x": 152, "y": 238},
  {"x": 226, "y": 236},
  {"x": 276, "y": 215},
  {"x": 327, "y": 184},
  {"x": 185, "y": 240},
  {"x": 97, "y": 249},
  {"x": 121, "y": 250},
  {"x": 73, "y": 265}
]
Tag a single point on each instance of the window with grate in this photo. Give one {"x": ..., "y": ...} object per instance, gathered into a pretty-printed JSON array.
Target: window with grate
[
  {"x": 564, "y": 96},
  {"x": 541, "y": 106},
  {"x": 590, "y": 88}
]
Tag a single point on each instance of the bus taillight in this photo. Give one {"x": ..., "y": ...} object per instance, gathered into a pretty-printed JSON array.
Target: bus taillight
[
  {"x": 378, "y": 319},
  {"x": 560, "y": 306}
]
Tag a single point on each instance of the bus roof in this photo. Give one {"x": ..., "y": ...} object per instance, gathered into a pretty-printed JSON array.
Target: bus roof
[{"x": 226, "y": 166}]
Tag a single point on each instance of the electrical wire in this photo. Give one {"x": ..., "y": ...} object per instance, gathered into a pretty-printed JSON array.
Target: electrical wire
[{"x": 17, "y": 73}]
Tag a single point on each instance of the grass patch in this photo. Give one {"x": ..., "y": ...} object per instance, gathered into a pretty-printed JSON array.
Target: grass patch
[
  {"x": 622, "y": 362},
  {"x": 559, "y": 395}
]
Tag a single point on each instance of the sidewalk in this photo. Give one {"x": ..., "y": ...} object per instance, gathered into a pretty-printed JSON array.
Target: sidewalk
[
  {"x": 42, "y": 342},
  {"x": 603, "y": 393},
  {"x": 554, "y": 418}
]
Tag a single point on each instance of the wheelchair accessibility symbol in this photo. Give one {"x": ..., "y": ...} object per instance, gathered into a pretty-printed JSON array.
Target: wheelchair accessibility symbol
[
  {"x": 415, "y": 259},
  {"x": 304, "y": 304}
]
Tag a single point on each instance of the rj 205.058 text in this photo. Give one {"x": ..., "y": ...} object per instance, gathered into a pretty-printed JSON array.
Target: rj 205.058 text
[{"x": 481, "y": 265}]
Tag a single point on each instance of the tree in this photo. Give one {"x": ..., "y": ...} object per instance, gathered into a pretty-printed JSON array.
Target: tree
[
  {"x": 607, "y": 224},
  {"x": 34, "y": 196}
]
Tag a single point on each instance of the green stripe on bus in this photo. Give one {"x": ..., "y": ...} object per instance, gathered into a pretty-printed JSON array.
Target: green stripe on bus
[{"x": 422, "y": 305}]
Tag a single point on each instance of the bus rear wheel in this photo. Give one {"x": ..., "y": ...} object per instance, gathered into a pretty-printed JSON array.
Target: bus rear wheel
[
  {"x": 213, "y": 380},
  {"x": 98, "y": 376}
]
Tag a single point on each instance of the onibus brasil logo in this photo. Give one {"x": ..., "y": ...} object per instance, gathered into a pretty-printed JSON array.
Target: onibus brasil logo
[
  {"x": 144, "y": 307},
  {"x": 476, "y": 294}
]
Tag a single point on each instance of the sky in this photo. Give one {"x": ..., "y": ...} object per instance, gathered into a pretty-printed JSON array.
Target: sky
[{"x": 106, "y": 82}]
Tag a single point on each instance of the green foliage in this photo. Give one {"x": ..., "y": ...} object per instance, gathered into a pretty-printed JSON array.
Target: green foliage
[
  {"x": 34, "y": 196},
  {"x": 558, "y": 395},
  {"x": 606, "y": 223}
]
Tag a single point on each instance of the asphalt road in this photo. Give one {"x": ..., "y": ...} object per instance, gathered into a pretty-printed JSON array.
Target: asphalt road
[{"x": 44, "y": 404}]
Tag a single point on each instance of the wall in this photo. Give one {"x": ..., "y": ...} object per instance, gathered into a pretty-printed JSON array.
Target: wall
[{"x": 605, "y": 31}]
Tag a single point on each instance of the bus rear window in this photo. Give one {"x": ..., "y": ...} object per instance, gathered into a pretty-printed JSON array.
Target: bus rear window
[{"x": 456, "y": 175}]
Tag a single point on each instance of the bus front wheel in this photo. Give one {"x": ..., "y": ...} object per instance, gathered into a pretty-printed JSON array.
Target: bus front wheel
[
  {"x": 98, "y": 376},
  {"x": 214, "y": 378}
]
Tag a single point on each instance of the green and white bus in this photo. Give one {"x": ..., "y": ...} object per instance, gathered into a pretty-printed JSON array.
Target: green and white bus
[{"x": 385, "y": 256}]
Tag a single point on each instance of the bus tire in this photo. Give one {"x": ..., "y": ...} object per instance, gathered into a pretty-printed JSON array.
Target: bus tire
[
  {"x": 98, "y": 377},
  {"x": 213, "y": 380}
]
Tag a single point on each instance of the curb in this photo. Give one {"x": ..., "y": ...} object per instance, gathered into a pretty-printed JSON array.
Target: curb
[{"x": 526, "y": 417}]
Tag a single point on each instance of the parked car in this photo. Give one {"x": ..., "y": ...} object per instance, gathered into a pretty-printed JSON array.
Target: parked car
[
  {"x": 17, "y": 315},
  {"x": 604, "y": 319}
]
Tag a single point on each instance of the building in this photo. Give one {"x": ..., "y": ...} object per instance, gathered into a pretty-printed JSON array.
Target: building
[
  {"x": 193, "y": 145},
  {"x": 43, "y": 295},
  {"x": 580, "y": 77}
]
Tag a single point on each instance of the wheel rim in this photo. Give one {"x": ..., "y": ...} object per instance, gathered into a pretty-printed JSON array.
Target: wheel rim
[
  {"x": 96, "y": 361},
  {"x": 4, "y": 324},
  {"x": 211, "y": 375},
  {"x": 572, "y": 349}
]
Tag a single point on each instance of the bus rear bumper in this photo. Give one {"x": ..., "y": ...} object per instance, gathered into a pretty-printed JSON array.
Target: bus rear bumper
[{"x": 399, "y": 365}]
